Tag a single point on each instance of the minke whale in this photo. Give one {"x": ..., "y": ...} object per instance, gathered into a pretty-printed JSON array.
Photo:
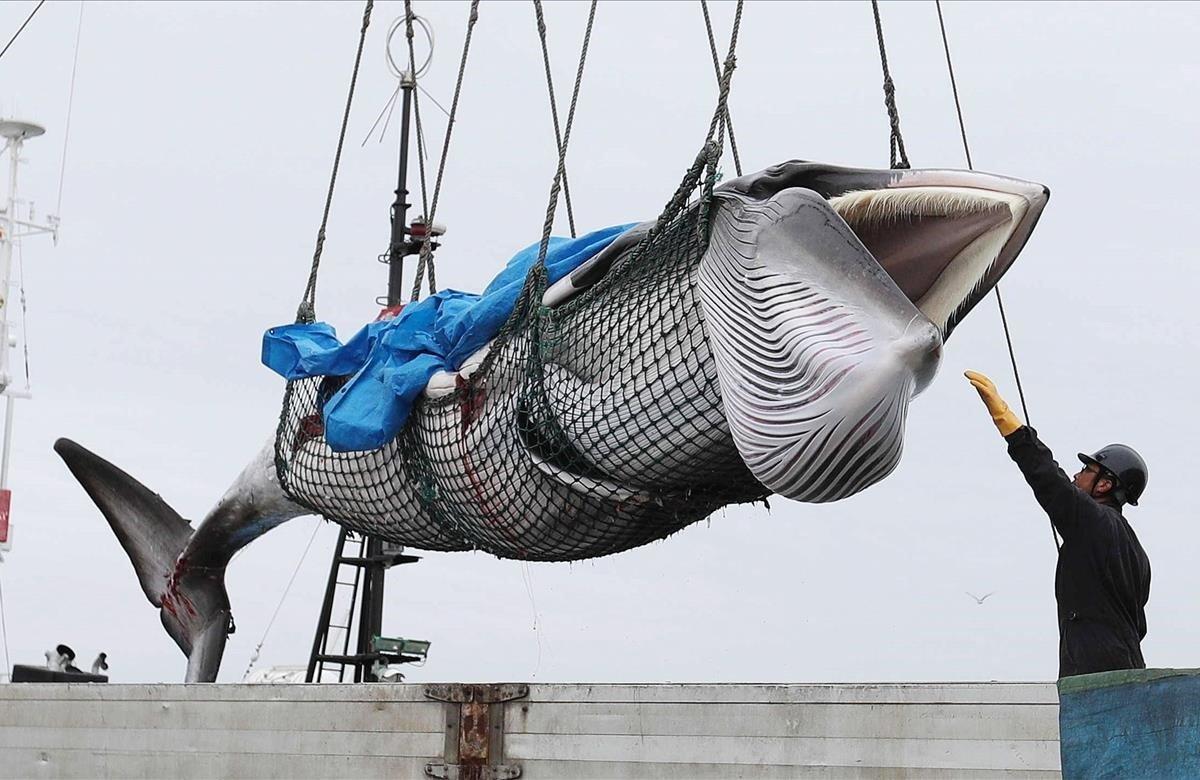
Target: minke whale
[{"x": 818, "y": 311}]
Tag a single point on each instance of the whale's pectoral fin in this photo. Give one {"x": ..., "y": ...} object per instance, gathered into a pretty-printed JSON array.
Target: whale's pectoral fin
[
  {"x": 818, "y": 352},
  {"x": 190, "y": 595}
]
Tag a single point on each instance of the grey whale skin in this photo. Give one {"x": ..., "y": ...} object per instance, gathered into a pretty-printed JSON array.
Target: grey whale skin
[{"x": 825, "y": 296}]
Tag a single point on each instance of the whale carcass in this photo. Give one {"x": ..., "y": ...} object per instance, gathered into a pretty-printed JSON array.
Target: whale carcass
[{"x": 767, "y": 342}]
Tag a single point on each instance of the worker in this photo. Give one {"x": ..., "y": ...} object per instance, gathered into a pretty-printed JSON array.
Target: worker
[{"x": 1102, "y": 581}]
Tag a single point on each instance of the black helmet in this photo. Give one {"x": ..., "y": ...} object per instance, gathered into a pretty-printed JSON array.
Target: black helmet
[{"x": 1125, "y": 465}]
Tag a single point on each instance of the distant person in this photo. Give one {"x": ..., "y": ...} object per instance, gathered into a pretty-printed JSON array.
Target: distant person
[
  {"x": 61, "y": 659},
  {"x": 1102, "y": 582}
]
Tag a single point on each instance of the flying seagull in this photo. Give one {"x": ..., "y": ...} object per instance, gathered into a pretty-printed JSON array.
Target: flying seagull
[{"x": 979, "y": 599}]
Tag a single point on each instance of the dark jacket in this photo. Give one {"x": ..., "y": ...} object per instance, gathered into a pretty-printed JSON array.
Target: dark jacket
[{"x": 1102, "y": 582}]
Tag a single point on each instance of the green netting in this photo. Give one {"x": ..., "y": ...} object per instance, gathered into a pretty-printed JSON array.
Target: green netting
[{"x": 589, "y": 428}]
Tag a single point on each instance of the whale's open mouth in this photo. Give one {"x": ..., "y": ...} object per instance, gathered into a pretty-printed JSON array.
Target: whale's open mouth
[
  {"x": 939, "y": 244},
  {"x": 944, "y": 236}
]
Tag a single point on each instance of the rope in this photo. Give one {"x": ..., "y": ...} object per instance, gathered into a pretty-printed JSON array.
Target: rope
[
  {"x": 726, "y": 119},
  {"x": 282, "y": 598},
  {"x": 898, "y": 155},
  {"x": 425, "y": 263},
  {"x": 727, "y": 75},
  {"x": 409, "y": 16},
  {"x": 541, "y": 27},
  {"x": 307, "y": 309},
  {"x": 412, "y": 65},
  {"x": 561, "y": 171},
  {"x": 22, "y": 27},
  {"x": 62, "y": 172}
]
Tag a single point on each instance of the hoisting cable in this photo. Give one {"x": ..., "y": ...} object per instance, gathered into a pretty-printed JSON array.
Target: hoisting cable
[
  {"x": 62, "y": 171},
  {"x": 541, "y": 28},
  {"x": 425, "y": 263},
  {"x": 727, "y": 120},
  {"x": 967, "y": 150},
  {"x": 898, "y": 155},
  {"x": 962, "y": 127},
  {"x": 561, "y": 171},
  {"x": 21, "y": 29},
  {"x": 306, "y": 312}
]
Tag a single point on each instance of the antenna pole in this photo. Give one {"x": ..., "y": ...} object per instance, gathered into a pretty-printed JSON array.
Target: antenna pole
[
  {"x": 10, "y": 231},
  {"x": 398, "y": 248},
  {"x": 364, "y": 574}
]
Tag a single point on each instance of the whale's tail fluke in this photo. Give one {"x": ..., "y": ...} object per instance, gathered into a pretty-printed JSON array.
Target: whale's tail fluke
[{"x": 189, "y": 592}]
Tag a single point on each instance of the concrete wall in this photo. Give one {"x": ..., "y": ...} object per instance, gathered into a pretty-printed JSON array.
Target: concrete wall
[{"x": 583, "y": 731}]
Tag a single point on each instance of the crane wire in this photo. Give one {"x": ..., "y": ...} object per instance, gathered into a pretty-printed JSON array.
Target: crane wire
[
  {"x": 962, "y": 128},
  {"x": 282, "y": 598},
  {"x": 21, "y": 29},
  {"x": 62, "y": 171}
]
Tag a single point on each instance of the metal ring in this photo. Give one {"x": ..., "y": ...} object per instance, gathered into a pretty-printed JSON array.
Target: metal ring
[{"x": 397, "y": 71}]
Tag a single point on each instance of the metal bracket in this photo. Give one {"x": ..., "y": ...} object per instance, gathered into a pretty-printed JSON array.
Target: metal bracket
[
  {"x": 458, "y": 693},
  {"x": 459, "y": 772},
  {"x": 474, "y": 748}
]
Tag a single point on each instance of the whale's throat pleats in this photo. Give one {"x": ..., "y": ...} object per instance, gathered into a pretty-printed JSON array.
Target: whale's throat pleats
[{"x": 818, "y": 351}]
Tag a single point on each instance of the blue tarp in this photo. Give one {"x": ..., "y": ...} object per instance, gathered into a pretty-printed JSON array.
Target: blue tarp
[{"x": 389, "y": 363}]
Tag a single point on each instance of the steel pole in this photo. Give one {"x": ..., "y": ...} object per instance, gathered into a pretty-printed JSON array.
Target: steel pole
[{"x": 373, "y": 608}]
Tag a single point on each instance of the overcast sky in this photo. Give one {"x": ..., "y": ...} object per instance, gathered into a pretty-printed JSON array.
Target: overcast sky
[{"x": 198, "y": 158}]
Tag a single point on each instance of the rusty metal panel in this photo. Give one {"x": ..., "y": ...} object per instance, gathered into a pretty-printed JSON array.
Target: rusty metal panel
[{"x": 474, "y": 731}]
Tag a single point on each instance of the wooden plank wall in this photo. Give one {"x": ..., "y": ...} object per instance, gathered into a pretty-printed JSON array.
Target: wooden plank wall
[{"x": 578, "y": 731}]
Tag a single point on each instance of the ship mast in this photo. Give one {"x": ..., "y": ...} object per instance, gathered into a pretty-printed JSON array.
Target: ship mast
[{"x": 12, "y": 229}]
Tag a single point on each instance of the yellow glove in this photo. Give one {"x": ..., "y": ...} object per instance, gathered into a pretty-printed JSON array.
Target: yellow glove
[{"x": 1005, "y": 419}]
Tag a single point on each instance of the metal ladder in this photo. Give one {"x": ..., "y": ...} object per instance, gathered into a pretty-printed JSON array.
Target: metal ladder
[{"x": 355, "y": 580}]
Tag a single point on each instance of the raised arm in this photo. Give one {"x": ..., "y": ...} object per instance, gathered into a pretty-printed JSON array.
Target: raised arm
[{"x": 1069, "y": 507}]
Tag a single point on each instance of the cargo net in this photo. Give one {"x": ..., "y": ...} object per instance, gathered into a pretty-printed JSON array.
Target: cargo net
[{"x": 589, "y": 428}]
